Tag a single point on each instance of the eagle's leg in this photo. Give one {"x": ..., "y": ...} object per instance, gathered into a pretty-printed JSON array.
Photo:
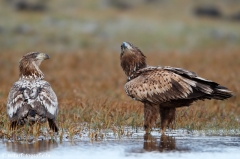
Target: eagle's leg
[
  {"x": 13, "y": 125},
  {"x": 52, "y": 124},
  {"x": 150, "y": 116},
  {"x": 167, "y": 116}
]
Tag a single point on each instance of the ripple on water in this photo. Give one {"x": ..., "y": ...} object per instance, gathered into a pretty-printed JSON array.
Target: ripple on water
[{"x": 147, "y": 146}]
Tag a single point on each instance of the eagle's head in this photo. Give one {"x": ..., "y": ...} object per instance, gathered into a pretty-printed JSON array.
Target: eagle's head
[
  {"x": 29, "y": 65},
  {"x": 132, "y": 59},
  {"x": 128, "y": 48}
]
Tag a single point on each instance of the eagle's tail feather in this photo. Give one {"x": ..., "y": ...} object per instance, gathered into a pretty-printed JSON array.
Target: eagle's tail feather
[
  {"x": 52, "y": 125},
  {"x": 221, "y": 93},
  {"x": 205, "y": 89},
  {"x": 212, "y": 90}
]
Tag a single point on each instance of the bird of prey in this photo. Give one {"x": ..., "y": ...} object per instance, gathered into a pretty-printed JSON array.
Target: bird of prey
[
  {"x": 31, "y": 99},
  {"x": 162, "y": 89}
]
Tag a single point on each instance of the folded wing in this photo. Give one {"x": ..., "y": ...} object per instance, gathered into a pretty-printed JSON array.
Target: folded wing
[
  {"x": 15, "y": 101},
  {"x": 49, "y": 100},
  {"x": 168, "y": 84}
]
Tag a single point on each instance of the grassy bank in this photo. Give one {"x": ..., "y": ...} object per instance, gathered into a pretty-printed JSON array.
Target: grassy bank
[{"x": 89, "y": 86}]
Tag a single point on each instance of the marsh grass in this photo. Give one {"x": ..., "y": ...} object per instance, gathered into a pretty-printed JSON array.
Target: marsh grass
[{"x": 93, "y": 104}]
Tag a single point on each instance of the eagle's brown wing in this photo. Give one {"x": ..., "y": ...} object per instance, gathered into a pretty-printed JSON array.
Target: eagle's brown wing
[
  {"x": 49, "y": 100},
  {"x": 15, "y": 102},
  {"x": 172, "y": 86},
  {"x": 158, "y": 86}
]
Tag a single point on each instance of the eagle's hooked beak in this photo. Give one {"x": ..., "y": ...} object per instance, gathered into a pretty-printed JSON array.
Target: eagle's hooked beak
[
  {"x": 43, "y": 56},
  {"x": 125, "y": 45}
]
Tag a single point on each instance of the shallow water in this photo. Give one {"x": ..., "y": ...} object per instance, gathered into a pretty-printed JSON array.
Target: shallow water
[{"x": 147, "y": 146}]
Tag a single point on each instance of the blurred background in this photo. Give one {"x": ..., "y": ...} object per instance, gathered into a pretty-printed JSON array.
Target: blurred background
[
  {"x": 83, "y": 39},
  {"x": 166, "y": 25}
]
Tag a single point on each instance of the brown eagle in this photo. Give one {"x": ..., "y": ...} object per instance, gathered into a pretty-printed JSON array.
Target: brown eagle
[
  {"x": 163, "y": 89},
  {"x": 31, "y": 99}
]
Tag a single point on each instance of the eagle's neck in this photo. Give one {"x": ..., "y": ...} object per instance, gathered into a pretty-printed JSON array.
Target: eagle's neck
[
  {"x": 132, "y": 62},
  {"x": 30, "y": 70}
]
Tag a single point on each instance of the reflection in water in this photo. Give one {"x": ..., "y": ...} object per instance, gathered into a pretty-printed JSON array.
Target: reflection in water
[
  {"x": 32, "y": 148},
  {"x": 167, "y": 143}
]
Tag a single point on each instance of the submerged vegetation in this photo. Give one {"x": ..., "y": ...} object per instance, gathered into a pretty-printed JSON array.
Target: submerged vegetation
[{"x": 92, "y": 101}]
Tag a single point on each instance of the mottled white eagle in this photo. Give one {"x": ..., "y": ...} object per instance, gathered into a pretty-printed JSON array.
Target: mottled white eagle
[
  {"x": 163, "y": 89},
  {"x": 31, "y": 99}
]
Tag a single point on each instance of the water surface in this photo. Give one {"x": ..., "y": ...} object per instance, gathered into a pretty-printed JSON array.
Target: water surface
[{"x": 147, "y": 146}]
